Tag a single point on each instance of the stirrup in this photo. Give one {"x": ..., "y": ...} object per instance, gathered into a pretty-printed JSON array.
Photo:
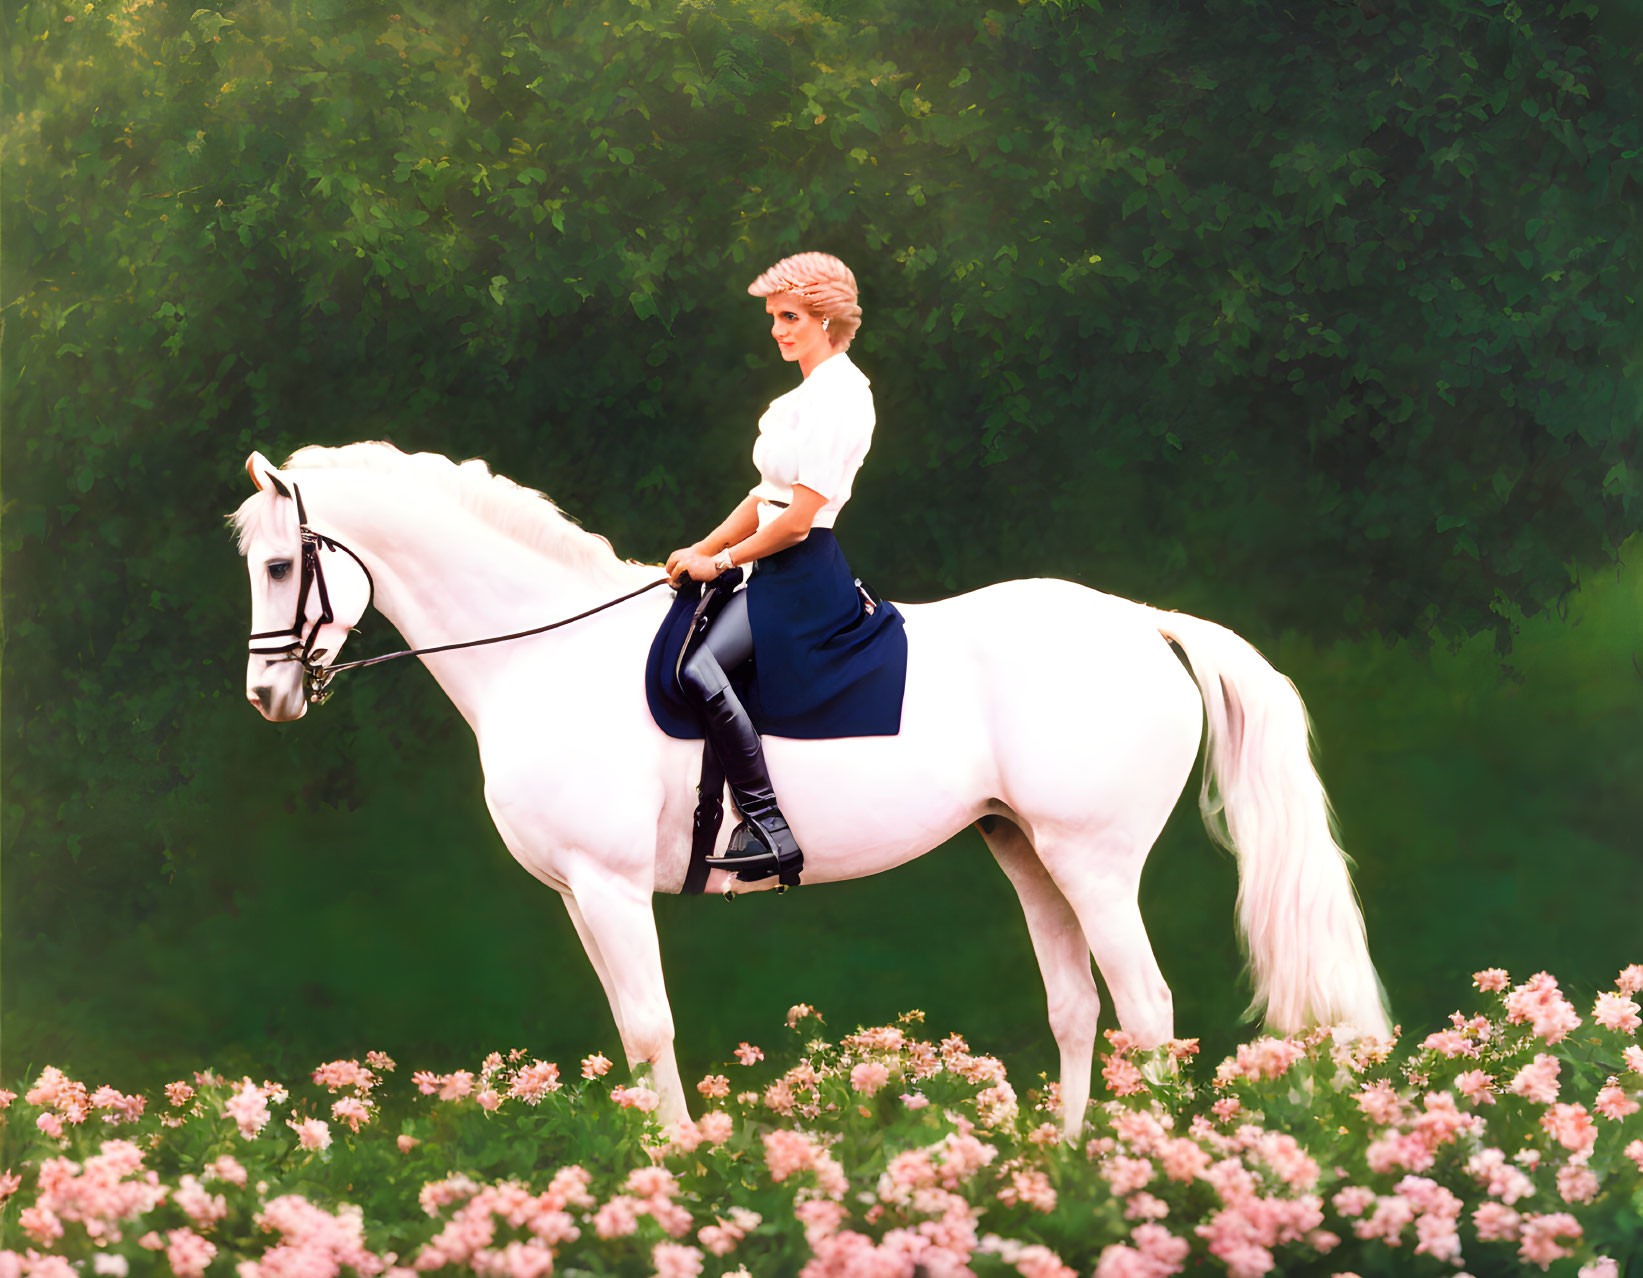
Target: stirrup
[{"x": 760, "y": 863}]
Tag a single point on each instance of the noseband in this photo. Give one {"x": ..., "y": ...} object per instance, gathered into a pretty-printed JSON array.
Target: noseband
[{"x": 315, "y": 676}]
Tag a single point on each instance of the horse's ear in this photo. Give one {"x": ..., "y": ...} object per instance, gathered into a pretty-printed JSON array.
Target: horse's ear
[{"x": 260, "y": 468}]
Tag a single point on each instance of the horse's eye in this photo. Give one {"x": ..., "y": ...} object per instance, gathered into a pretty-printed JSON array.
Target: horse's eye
[{"x": 279, "y": 571}]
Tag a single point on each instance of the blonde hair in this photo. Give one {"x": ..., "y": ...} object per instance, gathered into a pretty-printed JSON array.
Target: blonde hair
[{"x": 826, "y": 287}]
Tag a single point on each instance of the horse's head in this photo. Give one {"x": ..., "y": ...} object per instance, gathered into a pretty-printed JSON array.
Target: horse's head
[{"x": 306, "y": 593}]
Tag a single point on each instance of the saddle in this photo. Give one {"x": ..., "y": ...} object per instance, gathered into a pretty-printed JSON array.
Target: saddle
[{"x": 709, "y": 815}]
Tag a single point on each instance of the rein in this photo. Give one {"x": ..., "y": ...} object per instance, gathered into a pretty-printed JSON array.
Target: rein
[{"x": 316, "y": 676}]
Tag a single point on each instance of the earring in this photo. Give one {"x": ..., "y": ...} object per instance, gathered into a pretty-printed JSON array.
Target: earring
[{"x": 824, "y": 325}]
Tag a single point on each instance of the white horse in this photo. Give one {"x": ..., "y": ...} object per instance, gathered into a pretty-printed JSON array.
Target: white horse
[{"x": 1059, "y": 711}]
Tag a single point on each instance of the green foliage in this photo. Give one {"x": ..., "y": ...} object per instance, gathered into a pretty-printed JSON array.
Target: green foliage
[{"x": 1317, "y": 323}]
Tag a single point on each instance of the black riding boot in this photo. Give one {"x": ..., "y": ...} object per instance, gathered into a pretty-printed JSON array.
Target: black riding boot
[{"x": 762, "y": 844}]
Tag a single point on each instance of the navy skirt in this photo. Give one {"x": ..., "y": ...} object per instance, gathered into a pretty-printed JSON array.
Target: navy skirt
[{"x": 822, "y": 666}]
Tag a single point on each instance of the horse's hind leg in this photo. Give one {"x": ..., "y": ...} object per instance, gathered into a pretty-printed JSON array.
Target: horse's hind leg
[
  {"x": 1063, "y": 958},
  {"x": 1100, "y": 877}
]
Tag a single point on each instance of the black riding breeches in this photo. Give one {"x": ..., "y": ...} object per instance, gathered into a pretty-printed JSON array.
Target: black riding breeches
[{"x": 727, "y": 643}]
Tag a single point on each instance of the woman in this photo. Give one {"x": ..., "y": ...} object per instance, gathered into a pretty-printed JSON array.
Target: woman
[{"x": 814, "y": 657}]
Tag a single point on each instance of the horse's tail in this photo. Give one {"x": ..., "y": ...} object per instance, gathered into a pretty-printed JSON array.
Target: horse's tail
[{"x": 1298, "y": 918}]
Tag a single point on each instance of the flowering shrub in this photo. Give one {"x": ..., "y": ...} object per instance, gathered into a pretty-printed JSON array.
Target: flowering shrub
[{"x": 1510, "y": 1139}]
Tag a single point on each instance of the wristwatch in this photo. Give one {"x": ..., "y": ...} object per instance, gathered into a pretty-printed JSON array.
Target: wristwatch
[{"x": 722, "y": 562}]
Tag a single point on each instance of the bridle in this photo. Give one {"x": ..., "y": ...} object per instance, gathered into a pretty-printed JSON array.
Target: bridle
[{"x": 317, "y": 676}]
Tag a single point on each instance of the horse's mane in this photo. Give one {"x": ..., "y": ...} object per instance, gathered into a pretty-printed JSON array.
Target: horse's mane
[{"x": 523, "y": 514}]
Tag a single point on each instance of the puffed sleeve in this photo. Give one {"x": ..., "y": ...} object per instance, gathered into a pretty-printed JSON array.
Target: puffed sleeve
[{"x": 835, "y": 429}]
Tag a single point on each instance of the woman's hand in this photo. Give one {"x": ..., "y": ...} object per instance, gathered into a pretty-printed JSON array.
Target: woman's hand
[
  {"x": 690, "y": 561},
  {"x": 673, "y": 561}
]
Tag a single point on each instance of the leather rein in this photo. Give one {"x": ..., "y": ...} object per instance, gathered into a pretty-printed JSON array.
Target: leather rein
[{"x": 316, "y": 676}]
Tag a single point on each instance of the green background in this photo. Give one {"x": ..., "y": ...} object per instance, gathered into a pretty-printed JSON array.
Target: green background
[{"x": 1317, "y": 321}]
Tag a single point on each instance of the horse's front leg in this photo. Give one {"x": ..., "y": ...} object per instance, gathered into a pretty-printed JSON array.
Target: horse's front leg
[{"x": 617, "y": 925}]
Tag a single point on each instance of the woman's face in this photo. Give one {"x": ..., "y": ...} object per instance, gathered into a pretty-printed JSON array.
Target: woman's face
[{"x": 799, "y": 334}]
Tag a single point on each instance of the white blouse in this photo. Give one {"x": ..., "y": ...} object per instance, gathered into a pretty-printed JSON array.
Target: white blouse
[{"x": 815, "y": 435}]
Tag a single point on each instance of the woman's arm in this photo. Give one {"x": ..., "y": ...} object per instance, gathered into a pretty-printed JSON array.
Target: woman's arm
[{"x": 788, "y": 529}]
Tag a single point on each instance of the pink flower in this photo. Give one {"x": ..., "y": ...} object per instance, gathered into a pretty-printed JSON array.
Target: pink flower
[
  {"x": 406, "y": 1143},
  {"x": 673, "y": 1260},
  {"x": 536, "y": 1080},
  {"x": 748, "y": 1054},
  {"x": 595, "y": 1066},
  {"x": 1602, "y": 1267},
  {"x": 1037, "y": 1261},
  {"x": 312, "y": 1241},
  {"x": 1450, "y": 1043},
  {"x": 1496, "y": 1222},
  {"x": 1502, "y": 1180},
  {"x": 488, "y": 1100},
  {"x": 312, "y": 1133},
  {"x": 914, "y": 1100},
  {"x": 716, "y": 1127},
  {"x": 441, "y": 1193},
  {"x": 714, "y": 1086},
  {"x": 248, "y": 1109},
  {"x": 1616, "y": 1012},
  {"x": 821, "y": 1218},
  {"x": 618, "y": 1218},
  {"x": 1490, "y": 979},
  {"x": 1614, "y": 1104},
  {"x": 1227, "y": 1108},
  {"x": 40, "y": 1224},
  {"x": 1571, "y": 1126},
  {"x": 228, "y": 1168},
  {"x": 1476, "y": 1086},
  {"x": 1354, "y": 1200},
  {"x": 779, "y": 1097},
  {"x": 1121, "y": 1076},
  {"x": 640, "y": 1098},
  {"x": 1576, "y": 1183},
  {"x": 1539, "y": 1001},
  {"x": 179, "y": 1094},
  {"x": 1145, "y": 1206},
  {"x": 50, "y": 1124},
  {"x": 868, "y": 1077},
  {"x": 1030, "y": 1189},
  {"x": 188, "y": 1253},
  {"x": 1539, "y": 1245},
  {"x": 380, "y": 1060},
  {"x": 456, "y": 1086},
  {"x": 1634, "y": 1151},
  {"x": 797, "y": 1013},
  {"x": 351, "y": 1110},
  {"x": 1633, "y": 1057},
  {"x": 1183, "y": 1160},
  {"x": 203, "y": 1208},
  {"x": 787, "y": 1152},
  {"x": 1630, "y": 980},
  {"x": 1126, "y": 1175},
  {"x": 1380, "y": 1104},
  {"x": 335, "y": 1075},
  {"x": 1538, "y": 1081}
]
